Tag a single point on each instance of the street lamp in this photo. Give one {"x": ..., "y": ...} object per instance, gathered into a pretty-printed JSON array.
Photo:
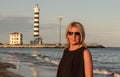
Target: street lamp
[{"x": 60, "y": 20}]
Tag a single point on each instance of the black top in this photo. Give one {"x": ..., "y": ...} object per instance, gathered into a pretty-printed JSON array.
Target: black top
[{"x": 72, "y": 63}]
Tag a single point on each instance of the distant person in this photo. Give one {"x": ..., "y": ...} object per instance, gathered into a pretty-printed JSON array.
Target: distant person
[{"x": 76, "y": 60}]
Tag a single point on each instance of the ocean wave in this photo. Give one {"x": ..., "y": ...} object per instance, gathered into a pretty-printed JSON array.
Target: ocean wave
[
  {"x": 106, "y": 72},
  {"x": 46, "y": 58},
  {"x": 95, "y": 71},
  {"x": 38, "y": 57}
]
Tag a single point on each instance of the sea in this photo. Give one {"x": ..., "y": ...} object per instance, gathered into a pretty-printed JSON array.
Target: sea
[{"x": 43, "y": 62}]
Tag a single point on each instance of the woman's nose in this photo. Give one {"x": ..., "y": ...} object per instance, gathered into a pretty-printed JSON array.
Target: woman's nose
[{"x": 74, "y": 35}]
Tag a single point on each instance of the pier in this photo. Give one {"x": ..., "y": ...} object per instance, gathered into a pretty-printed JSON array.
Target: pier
[
  {"x": 30, "y": 46},
  {"x": 44, "y": 46}
]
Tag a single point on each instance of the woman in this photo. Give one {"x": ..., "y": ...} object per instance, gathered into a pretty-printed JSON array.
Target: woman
[{"x": 76, "y": 60}]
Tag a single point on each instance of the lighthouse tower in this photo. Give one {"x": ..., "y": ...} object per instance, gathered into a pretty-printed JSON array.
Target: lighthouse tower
[
  {"x": 36, "y": 21},
  {"x": 37, "y": 38}
]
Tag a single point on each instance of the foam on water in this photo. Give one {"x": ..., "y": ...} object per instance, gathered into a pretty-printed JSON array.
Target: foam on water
[{"x": 106, "y": 72}]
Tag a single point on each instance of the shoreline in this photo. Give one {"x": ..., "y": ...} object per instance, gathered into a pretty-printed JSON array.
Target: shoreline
[
  {"x": 4, "y": 72},
  {"x": 44, "y": 46}
]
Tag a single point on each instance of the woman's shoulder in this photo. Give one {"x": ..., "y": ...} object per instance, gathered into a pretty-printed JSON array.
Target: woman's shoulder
[
  {"x": 83, "y": 48},
  {"x": 87, "y": 52}
]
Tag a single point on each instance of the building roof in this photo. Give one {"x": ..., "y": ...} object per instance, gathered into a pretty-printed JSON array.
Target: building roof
[{"x": 15, "y": 33}]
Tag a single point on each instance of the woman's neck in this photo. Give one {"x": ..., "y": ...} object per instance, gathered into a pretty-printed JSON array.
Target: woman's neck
[{"x": 74, "y": 47}]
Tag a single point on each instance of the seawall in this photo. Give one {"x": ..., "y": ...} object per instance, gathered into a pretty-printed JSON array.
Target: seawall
[{"x": 44, "y": 46}]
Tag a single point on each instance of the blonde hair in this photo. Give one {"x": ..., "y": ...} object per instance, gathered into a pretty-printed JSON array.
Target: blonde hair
[{"x": 81, "y": 30}]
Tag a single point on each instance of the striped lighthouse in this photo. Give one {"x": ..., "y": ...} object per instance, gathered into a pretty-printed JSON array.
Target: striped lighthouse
[
  {"x": 36, "y": 21},
  {"x": 37, "y": 38}
]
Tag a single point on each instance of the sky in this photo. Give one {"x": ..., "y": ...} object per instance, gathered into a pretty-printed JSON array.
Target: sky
[{"x": 101, "y": 19}]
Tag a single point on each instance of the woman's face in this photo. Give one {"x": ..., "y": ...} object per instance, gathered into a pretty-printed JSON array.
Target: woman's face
[{"x": 73, "y": 36}]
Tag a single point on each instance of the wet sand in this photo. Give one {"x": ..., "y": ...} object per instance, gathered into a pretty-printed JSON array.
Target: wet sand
[
  {"x": 4, "y": 72},
  {"x": 33, "y": 70}
]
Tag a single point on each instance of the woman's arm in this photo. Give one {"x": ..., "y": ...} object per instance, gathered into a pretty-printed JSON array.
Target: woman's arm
[{"x": 88, "y": 63}]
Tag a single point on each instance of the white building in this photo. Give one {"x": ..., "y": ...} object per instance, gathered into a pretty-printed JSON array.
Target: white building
[{"x": 16, "y": 38}]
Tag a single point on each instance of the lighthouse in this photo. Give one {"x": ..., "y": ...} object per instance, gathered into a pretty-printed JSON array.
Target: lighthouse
[
  {"x": 36, "y": 21},
  {"x": 37, "y": 38}
]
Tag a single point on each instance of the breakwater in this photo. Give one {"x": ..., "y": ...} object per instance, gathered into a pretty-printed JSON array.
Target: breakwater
[
  {"x": 31, "y": 46},
  {"x": 44, "y": 46}
]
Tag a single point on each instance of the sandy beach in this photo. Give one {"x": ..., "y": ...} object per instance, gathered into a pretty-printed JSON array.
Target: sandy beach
[
  {"x": 24, "y": 70},
  {"x": 32, "y": 70},
  {"x": 4, "y": 72}
]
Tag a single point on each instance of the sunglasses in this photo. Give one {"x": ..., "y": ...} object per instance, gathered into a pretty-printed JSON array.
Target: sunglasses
[{"x": 75, "y": 33}]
